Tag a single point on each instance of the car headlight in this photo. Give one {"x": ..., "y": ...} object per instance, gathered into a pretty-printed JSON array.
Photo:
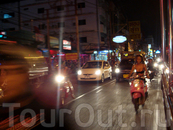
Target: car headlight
[
  {"x": 98, "y": 72},
  {"x": 59, "y": 78},
  {"x": 79, "y": 72},
  {"x": 117, "y": 70},
  {"x": 155, "y": 64}
]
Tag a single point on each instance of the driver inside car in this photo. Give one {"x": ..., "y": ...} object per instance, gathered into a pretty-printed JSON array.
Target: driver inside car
[{"x": 139, "y": 67}]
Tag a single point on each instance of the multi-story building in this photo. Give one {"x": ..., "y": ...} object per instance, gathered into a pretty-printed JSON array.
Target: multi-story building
[{"x": 95, "y": 20}]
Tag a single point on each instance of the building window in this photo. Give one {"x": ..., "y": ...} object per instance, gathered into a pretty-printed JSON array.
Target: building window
[
  {"x": 26, "y": 24},
  {"x": 42, "y": 26},
  {"x": 101, "y": 22},
  {"x": 5, "y": 20},
  {"x": 83, "y": 39},
  {"x": 82, "y": 22},
  {"x": 40, "y": 10},
  {"x": 61, "y": 24},
  {"x": 102, "y": 39},
  {"x": 81, "y": 5},
  {"x": 60, "y": 8},
  {"x": 10, "y": 29},
  {"x": 9, "y": 15},
  {"x": 26, "y": 9}
]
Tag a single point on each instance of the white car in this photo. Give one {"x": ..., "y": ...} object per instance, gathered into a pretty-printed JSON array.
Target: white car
[{"x": 96, "y": 70}]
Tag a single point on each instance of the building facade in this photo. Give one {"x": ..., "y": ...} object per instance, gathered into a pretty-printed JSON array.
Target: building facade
[{"x": 95, "y": 20}]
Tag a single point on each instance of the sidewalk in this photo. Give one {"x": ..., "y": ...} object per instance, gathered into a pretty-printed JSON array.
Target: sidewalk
[{"x": 155, "y": 103}]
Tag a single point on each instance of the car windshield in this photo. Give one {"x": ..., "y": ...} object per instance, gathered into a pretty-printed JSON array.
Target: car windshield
[
  {"x": 127, "y": 62},
  {"x": 93, "y": 65}
]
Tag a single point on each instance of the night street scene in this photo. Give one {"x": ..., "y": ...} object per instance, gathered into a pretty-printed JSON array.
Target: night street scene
[{"x": 86, "y": 65}]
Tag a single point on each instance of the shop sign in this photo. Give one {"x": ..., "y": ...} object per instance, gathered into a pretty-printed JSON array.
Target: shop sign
[
  {"x": 119, "y": 39},
  {"x": 66, "y": 45},
  {"x": 135, "y": 30},
  {"x": 71, "y": 56}
]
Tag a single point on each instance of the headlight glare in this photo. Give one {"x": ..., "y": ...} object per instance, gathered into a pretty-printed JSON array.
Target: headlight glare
[
  {"x": 117, "y": 70},
  {"x": 59, "y": 78},
  {"x": 79, "y": 72},
  {"x": 155, "y": 64},
  {"x": 158, "y": 59},
  {"x": 161, "y": 66},
  {"x": 98, "y": 72},
  {"x": 167, "y": 70}
]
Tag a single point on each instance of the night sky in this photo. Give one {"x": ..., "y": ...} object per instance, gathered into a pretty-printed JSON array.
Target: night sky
[{"x": 145, "y": 11}]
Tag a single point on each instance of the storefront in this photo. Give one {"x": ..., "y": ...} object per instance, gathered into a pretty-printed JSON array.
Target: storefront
[{"x": 105, "y": 55}]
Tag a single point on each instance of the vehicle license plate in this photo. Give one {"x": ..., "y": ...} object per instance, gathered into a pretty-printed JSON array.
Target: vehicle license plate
[
  {"x": 125, "y": 75},
  {"x": 87, "y": 76}
]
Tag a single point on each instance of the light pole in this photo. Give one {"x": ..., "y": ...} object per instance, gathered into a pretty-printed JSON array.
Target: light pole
[
  {"x": 77, "y": 33},
  {"x": 48, "y": 42}
]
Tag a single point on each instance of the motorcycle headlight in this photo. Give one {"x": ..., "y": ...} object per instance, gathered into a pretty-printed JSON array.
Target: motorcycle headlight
[
  {"x": 98, "y": 72},
  {"x": 161, "y": 66},
  {"x": 59, "y": 78},
  {"x": 155, "y": 64},
  {"x": 136, "y": 82},
  {"x": 158, "y": 59},
  {"x": 167, "y": 70},
  {"x": 117, "y": 70},
  {"x": 79, "y": 72}
]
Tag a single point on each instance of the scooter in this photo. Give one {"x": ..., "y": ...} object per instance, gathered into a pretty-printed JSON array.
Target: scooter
[
  {"x": 151, "y": 72},
  {"x": 63, "y": 89},
  {"x": 139, "y": 91}
]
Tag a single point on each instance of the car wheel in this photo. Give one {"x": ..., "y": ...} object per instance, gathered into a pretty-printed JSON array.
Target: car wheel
[
  {"x": 102, "y": 78},
  {"x": 110, "y": 75}
]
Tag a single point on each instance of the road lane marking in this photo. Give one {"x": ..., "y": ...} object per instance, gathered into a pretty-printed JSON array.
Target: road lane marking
[
  {"x": 99, "y": 90},
  {"x": 88, "y": 93}
]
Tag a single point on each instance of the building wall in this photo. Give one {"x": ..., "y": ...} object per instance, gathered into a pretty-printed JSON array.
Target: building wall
[{"x": 30, "y": 18}]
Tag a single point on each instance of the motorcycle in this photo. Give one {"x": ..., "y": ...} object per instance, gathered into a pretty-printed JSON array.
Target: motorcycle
[
  {"x": 63, "y": 88},
  {"x": 3, "y": 87},
  {"x": 152, "y": 72},
  {"x": 138, "y": 90}
]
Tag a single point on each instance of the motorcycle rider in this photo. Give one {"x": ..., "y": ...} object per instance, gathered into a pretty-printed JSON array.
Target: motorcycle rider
[
  {"x": 139, "y": 67},
  {"x": 64, "y": 70},
  {"x": 150, "y": 64}
]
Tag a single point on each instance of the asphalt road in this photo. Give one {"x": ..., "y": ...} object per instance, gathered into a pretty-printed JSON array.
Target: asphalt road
[{"x": 105, "y": 106}]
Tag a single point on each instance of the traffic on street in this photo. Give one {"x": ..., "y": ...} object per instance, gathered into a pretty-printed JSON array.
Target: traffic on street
[{"x": 86, "y": 65}]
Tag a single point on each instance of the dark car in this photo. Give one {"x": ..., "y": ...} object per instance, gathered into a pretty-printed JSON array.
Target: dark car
[{"x": 123, "y": 69}]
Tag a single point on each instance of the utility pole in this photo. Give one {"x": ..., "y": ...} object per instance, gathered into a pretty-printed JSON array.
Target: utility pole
[
  {"x": 19, "y": 16},
  {"x": 162, "y": 29},
  {"x": 48, "y": 42},
  {"x": 170, "y": 41},
  {"x": 77, "y": 32},
  {"x": 98, "y": 27}
]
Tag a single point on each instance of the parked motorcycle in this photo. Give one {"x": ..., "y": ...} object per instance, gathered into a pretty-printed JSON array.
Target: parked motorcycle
[{"x": 138, "y": 91}]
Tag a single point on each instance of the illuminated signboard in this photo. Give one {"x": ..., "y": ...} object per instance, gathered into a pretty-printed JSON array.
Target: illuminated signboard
[
  {"x": 66, "y": 45},
  {"x": 119, "y": 39},
  {"x": 157, "y": 52},
  {"x": 3, "y": 35}
]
